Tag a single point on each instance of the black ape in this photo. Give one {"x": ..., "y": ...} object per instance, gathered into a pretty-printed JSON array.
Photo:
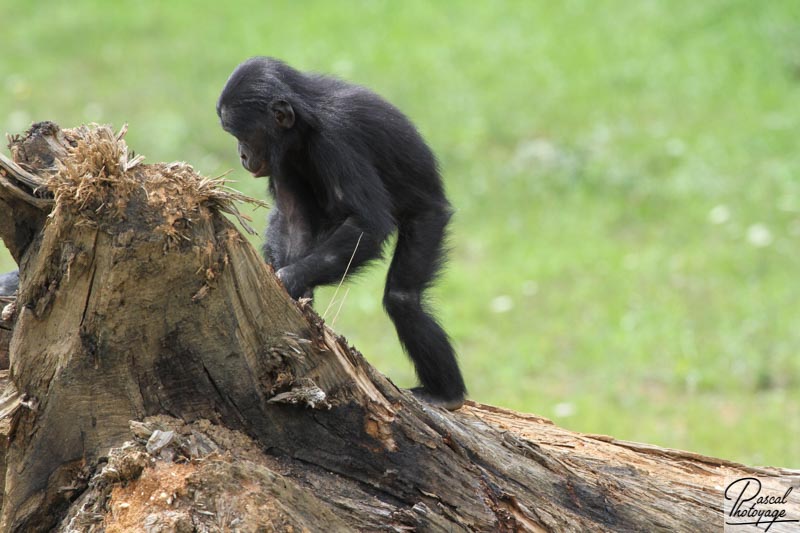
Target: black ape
[{"x": 346, "y": 169}]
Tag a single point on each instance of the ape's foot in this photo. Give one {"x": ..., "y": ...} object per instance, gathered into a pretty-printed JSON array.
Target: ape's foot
[{"x": 451, "y": 404}]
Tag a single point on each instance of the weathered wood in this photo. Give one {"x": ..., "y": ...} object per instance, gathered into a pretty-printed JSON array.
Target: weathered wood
[
  {"x": 24, "y": 200},
  {"x": 139, "y": 300}
]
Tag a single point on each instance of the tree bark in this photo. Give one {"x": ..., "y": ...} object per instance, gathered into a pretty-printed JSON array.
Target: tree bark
[{"x": 161, "y": 379}]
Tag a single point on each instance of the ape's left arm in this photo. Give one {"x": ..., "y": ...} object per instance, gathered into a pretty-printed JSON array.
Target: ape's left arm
[{"x": 349, "y": 190}]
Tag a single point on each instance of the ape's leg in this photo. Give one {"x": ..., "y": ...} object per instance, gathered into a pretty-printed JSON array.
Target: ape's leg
[
  {"x": 280, "y": 249},
  {"x": 416, "y": 261},
  {"x": 276, "y": 239}
]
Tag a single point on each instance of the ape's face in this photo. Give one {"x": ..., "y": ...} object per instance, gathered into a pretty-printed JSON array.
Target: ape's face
[
  {"x": 255, "y": 141},
  {"x": 254, "y": 107}
]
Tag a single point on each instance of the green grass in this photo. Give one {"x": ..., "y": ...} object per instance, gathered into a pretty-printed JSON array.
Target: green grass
[{"x": 608, "y": 161}]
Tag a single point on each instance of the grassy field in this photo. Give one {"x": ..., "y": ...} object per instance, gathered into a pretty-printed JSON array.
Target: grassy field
[{"x": 626, "y": 251}]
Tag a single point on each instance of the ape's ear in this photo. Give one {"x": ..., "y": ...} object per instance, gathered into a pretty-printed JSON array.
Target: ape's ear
[{"x": 283, "y": 113}]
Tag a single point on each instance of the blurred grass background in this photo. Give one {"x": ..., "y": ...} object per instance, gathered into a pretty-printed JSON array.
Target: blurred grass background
[{"x": 626, "y": 174}]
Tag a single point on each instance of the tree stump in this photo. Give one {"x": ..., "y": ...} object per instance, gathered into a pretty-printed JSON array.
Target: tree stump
[{"x": 161, "y": 379}]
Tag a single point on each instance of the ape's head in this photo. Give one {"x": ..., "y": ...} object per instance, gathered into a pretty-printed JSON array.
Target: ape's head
[{"x": 255, "y": 107}]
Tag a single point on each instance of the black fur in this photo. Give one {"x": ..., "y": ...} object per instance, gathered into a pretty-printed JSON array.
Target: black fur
[
  {"x": 9, "y": 283},
  {"x": 346, "y": 170}
]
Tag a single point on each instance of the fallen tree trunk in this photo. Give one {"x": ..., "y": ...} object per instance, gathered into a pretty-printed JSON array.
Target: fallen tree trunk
[{"x": 161, "y": 378}]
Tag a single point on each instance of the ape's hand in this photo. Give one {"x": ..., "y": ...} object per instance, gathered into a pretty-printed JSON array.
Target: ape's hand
[{"x": 290, "y": 283}]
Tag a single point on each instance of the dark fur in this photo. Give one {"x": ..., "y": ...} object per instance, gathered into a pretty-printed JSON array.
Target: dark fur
[
  {"x": 9, "y": 283},
  {"x": 345, "y": 164}
]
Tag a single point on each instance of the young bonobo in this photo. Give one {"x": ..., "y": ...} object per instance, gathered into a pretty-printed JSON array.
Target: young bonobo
[{"x": 346, "y": 168}]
